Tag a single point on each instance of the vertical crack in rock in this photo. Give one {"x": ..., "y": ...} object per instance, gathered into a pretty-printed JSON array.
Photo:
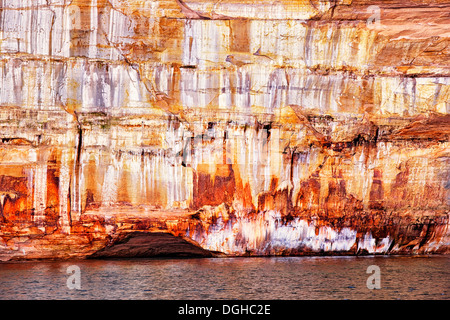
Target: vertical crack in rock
[{"x": 77, "y": 168}]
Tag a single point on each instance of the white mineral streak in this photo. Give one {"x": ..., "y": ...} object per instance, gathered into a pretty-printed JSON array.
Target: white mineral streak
[
  {"x": 267, "y": 234},
  {"x": 204, "y": 44},
  {"x": 370, "y": 244},
  {"x": 40, "y": 193},
  {"x": 64, "y": 191},
  {"x": 44, "y": 85},
  {"x": 445, "y": 241},
  {"x": 268, "y": 88},
  {"x": 26, "y": 30},
  {"x": 109, "y": 191},
  {"x": 93, "y": 37},
  {"x": 265, "y": 10},
  {"x": 152, "y": 180},
  {"x": 30, "y": 184},
  {"x": 412, "y": 95}
]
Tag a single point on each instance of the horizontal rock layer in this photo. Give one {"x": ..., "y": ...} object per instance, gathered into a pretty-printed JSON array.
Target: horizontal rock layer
[{"x": 242, "y": 127}]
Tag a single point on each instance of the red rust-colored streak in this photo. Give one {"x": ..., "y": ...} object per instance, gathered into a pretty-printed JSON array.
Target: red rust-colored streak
[
  {"x": 215, "y": 190},
  {"x": 437, "y": 127},
  {"x": 336, "y": 198},
  {"x": 309, "y": 195},
  {"x": 399, "y": 193},
  {"x": 52, "y": 208},
  {"x": 243, "y": 193},
  {"x": 278, "y": 200},
  {"x": 376, "y": 194},
  {"x": 14, "y": 206}
]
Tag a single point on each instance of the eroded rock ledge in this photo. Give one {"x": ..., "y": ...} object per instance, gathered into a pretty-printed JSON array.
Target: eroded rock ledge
[
  {"x": 149, "y": 244},
  {"x": 238, "y": 127}
]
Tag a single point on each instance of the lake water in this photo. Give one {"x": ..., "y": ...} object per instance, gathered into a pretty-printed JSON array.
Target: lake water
[{"x": 287, "y": 278}]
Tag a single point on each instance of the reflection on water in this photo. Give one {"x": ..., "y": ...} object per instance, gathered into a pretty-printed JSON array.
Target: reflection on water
[{"x": 286, "y": 278}]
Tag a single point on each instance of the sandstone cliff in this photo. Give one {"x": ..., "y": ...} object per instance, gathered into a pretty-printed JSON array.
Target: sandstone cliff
[{"x": 243, "y": 127}]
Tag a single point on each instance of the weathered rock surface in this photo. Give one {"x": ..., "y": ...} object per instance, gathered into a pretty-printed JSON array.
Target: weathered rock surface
[{"x": 248, "y": 127}]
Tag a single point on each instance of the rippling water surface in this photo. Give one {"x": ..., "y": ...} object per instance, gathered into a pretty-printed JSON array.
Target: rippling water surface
[{"x": 284, "y": 278}]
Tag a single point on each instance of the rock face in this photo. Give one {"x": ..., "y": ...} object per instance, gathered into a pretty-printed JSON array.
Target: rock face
[{"x": 244, "y": 127}]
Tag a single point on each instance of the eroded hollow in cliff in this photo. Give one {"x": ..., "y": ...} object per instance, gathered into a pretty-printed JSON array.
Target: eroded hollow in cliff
[{"x": 150, "y": 244}]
